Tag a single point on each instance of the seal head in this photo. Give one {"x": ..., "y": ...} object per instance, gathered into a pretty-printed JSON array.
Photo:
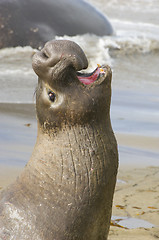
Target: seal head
[{"x": 67, "y": 95}]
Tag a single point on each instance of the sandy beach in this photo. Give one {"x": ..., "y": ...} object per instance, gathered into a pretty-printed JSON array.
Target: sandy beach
[
  {"x": 137, "y": 197},
  {"x": 137, "y": 190}
]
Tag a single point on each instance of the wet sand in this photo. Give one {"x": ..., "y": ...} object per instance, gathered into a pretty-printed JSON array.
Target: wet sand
[
  {"x": 137, "y": 197},
  {"x": 136, "y": 193}
]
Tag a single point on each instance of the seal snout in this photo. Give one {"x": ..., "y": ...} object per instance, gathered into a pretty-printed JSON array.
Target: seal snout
[
  {"x": 59, "y": 58},
  {"x": 56, "y": 51}
]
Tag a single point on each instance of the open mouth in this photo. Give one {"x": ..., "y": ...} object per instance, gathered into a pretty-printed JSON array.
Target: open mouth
[{"x": 88, "y": 78}]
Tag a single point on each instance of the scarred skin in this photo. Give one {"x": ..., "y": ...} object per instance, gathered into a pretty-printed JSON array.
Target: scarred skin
[{"x": 65, "y": 191}]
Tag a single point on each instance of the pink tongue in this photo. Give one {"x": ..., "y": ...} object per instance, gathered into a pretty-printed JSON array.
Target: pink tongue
[{"x": 90, "y": 79}]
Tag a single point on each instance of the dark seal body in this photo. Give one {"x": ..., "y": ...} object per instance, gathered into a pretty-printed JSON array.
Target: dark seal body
[
  {"x": 33, "y": 22},
  {"x": 65, "y": 191}
]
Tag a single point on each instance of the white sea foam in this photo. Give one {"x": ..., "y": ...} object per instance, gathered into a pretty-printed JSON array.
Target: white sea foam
[
  {"x": 135, "y": 5},
  {"x": 98, "y": 49},
  {"x": 25, "y": 71},
  {"x": 17, "y": 51},
  {"x": 18, "y": 81}
]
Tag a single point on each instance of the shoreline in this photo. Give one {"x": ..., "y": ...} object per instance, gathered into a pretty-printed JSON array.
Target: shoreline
[
  {"x": 19, "y": 129},
  {"x": 138, "y": 141},
  {"x": 18, "y": 109}
]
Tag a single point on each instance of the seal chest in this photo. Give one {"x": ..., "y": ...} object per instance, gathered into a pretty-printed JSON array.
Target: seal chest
[{"x": 66, "y": 189}]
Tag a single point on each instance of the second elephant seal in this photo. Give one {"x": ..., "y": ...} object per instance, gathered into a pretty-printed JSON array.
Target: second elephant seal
[
  {"x": 65, "y": 191},
  {"x": 34, "y": 22}
]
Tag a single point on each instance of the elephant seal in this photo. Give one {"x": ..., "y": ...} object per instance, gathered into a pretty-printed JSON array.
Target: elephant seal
[
  {"x": 65, "y": 191},
  {"x": 34, "y": 22}
]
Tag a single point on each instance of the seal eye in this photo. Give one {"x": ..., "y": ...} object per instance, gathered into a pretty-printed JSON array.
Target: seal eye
[{"x": 52, "y": 96}]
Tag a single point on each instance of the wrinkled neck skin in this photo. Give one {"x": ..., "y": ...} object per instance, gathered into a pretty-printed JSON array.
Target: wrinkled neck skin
[
  {"x": 72, "y": 171},
  {"x": 74, "y": 156}
]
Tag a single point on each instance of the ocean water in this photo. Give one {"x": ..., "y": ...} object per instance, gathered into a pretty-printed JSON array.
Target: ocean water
[{"x": 133, "y": 54}]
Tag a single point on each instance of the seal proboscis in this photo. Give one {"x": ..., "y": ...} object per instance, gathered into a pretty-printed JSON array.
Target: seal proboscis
[{"x": 65, "y": 191}]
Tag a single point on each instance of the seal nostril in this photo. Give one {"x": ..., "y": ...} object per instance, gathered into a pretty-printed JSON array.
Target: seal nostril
[
  {"x": 45, "y": 55},
  {"x": 52, "y": 96}
]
